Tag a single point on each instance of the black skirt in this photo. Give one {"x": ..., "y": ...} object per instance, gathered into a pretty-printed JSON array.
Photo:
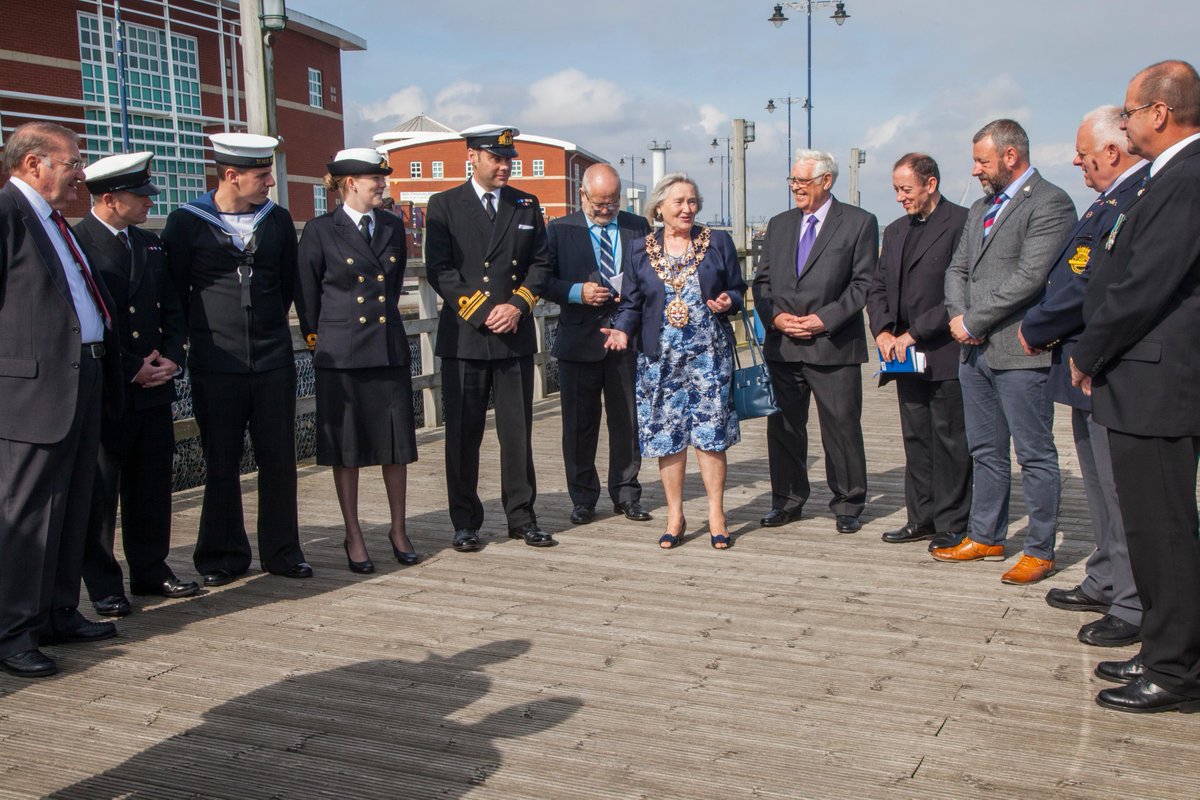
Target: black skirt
[{"x": 365, "y": 417}]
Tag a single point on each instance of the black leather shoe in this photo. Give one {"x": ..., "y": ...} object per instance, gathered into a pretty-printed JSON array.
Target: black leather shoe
[
  {"x": 582, "y": 515},
  {"x": 909, "y": 533},
  {"x": 301, "y": 570},
  {"x": 218, "y": 577},
  {"x": 170, "y": 587},
  {"x": 947, "y": 539},
  {"x": 358, "y": 567},
  {"x": 84, "y": 632},
  {"x": 1121, "y": 671},
  {"x": 402, "y": 558},
  {"x": 1074, "y": 599},
  {"x": 113, "y": 606},
  {"x": 29, "y": 664},
  {"x": 533, "y": 535},
  {"x": 466, "y": 540},
  {"x": 1110, "y": 631},
  {"x": 848, "y": 523},
  {"x": 778, "y": 517},
  {"x": 1143, "y": 697},
  {"x": 633, "y": 510}
]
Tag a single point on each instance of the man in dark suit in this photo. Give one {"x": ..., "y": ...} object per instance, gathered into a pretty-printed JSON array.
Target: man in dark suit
[
  {"x": 486, "y": 255},
  {"x": 1054, "y": 323},
  {"x": 809, "y": 289},
  {"x": 588, "y": 250},
  {"x": 232, "y": 254},
  {"x": 906, "y": 305},
  {"x": 58, "y": 365},
  {"x": 137, "y": 445},
  {"x": 1137, "y": 358},
  {"x": 998, "y": 271}
]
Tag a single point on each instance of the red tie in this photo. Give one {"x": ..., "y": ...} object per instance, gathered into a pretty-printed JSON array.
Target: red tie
[{"x": 93, "y": 290}]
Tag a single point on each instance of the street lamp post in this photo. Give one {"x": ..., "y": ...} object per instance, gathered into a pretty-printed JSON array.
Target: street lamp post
[
  {"x": 771, "y": 110},
  {"x": 720, "y": 160},
  {"x": 631, "y": 192},
  {"x": 728, "y": 172},
  {"x": 839, "y": 16}
]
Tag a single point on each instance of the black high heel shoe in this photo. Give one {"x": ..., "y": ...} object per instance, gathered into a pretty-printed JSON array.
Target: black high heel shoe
[
  {"x": 405, "y": 559},
  {"x": 358, "y": 567}
]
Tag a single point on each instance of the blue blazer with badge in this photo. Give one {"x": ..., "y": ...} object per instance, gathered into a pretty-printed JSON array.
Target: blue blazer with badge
[
  {"x": 644, "y": 299},
  {"x": 1056, "y": 321},
  {"x": 349, "y": 292},
  {"x": 574, "y": 260}
]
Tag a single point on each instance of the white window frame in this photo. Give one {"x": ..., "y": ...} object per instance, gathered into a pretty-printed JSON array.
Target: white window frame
[
  {"x": 437, "y": 170},
  {"x": 414, "y": 169},
  {"x": 316, "y": 93},
  {"x": 539, "y": 168}
]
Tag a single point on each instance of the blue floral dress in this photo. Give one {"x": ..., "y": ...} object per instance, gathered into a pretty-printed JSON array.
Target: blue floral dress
[{"x": 684, "y": 396}]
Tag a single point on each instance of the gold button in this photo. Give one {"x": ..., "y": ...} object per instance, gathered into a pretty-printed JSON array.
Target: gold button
[
  {"x": 361, "y": 279},
  {"x": 382, "y": 298},
  {"x": 485, "y": 278},
  {"x": 514, "y": 277},
  {"x": 160, "y": 330},
  {"x": 360, "y": 299},
  {"x": 486, "y": 265},
  {"x": 132, "y": 310},
  {"x": 136, "y": 334},
  {"x": 379, "y": 278},
  {"x": 158, "y": 305},
  {"x": 382, "y": 319},
  {"x": 362, "y": 320},
  {"x": 349, "y": 260},
  {"x": 514, "y": 262},
  {"x": 487, "y": 294},
  {"x": 393, "y": 259}
]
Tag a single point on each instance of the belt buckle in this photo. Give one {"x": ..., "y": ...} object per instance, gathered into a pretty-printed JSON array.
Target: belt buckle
[{"x": 94, "y": 349}]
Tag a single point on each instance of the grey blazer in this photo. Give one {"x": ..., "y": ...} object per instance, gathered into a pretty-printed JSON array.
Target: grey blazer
[{"x": 993, "y": 281}]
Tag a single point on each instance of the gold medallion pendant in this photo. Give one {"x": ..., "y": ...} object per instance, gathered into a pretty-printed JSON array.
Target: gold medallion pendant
[{"x": 677, "y": 313}]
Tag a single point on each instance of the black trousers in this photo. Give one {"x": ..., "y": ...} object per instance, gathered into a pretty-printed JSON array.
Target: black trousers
[
  {"x": 226, "y": 405},
  {"x": 582, "y": 384},
  {"x": 937, "y": 463},
  {"x": 466, "y": 387},
  {"x": 838, "y": 392},
  {"x": 1156, "y": 487},
  {"x": 45, "y": 493},
  {"x": 135, "y": 464}
]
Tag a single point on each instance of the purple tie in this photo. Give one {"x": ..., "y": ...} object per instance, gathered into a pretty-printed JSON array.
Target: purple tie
[{"x": 806, "y": 243}]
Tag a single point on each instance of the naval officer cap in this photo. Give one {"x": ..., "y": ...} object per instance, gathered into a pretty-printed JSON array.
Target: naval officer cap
[
  {"x": 496, "y": 139},
  {"x": 127, "y": 172},
  {"x": 243, "y": 149},
  {"x": 358, "y": 161}
]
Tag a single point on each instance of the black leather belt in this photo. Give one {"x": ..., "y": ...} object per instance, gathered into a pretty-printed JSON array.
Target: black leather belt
[{"x": 93, "y": 350}]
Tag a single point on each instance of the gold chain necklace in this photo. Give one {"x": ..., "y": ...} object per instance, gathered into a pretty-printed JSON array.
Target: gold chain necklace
[{"x": 677, "y": 310}]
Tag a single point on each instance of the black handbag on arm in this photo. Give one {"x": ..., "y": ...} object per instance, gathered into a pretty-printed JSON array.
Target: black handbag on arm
[{"x": 753, "y": 395}]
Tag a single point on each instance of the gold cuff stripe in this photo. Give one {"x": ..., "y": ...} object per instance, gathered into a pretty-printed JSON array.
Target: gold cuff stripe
[
  {"x": 527, "y": 296},
  {"x": 467, "y": 306}
]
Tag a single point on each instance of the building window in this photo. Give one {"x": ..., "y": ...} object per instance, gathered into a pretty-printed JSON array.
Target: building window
[
  {"x": 333, "y": 94},
  {"x": 163, "y": 91},
  {"x": 414, "y": 169},
  {"x": 470, "y": 169},
  {"x": 517, "y": 168},
  {"x": 316, "y": 97},
  {"x": 437, "y": 170},
  {"x": 539, "y": 168},
  {"x": 320, "y": 200}
]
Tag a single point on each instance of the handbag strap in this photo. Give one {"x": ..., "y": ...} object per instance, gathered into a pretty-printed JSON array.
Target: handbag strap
[{"x": 756, "y": 355}]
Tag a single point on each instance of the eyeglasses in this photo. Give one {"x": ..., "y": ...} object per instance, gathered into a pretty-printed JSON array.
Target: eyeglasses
[
  {"x": 598, "y": 206},
  {"x": 793, "y": 182},
  {"x": 1125, "y": 115},
  {"x": 72, "y": 165}
]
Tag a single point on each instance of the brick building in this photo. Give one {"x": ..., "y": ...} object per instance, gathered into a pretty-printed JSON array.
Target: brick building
[{"x": 184, "y": 80}]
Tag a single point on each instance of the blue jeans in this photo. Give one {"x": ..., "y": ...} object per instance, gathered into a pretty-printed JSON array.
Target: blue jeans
[{"x": 1000, "y": 406}]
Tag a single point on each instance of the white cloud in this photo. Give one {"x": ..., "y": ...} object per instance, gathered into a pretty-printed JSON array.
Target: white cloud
[
  {"x": 1052, "y": 154},
  {"x": 461, "y": 105},
  {"x": 713, "y": 119},
  {"x": 406, "y": 103},
  {"x": 570, "y": 97},
  {"x": 883, "y": 134}
]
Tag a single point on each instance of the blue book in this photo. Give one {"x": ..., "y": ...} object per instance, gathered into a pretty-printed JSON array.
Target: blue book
[{"x": 914, "y": 362}]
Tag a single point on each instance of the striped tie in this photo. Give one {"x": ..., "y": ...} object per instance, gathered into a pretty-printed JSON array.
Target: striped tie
[
  {"x": 990, "y": 216},
  {"x": 607, "y": 266}
]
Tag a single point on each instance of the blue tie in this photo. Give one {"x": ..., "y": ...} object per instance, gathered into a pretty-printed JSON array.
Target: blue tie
[
  {"x": 990, "y": 216},
  {"x": 608, "y": 267},
  {"x": 806, "y": 243}
]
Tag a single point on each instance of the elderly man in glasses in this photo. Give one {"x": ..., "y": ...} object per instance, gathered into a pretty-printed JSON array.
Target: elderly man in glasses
[
  {"x": 810, "y": 288},
  {"x": 588, "y": 249}
]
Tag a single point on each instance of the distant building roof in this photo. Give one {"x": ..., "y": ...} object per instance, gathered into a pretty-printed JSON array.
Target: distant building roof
[{"x": 418, "y": 124}]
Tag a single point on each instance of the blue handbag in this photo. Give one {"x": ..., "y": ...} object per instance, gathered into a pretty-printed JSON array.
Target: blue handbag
[{"x": 753, "y": 395}]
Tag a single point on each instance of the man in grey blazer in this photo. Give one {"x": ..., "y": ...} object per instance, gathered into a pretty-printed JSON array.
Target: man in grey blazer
[
  {"x": 1010, "y": 242},
  {"x": 588, "y": 250},
  {"x": 809, "y": 289}
]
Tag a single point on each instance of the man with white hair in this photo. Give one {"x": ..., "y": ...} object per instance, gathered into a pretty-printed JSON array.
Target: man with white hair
[
  {"x": 1055, "y": 323},
  {"x": 810, "y": 288}
]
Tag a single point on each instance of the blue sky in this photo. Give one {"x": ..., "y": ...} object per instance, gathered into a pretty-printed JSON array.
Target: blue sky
[{"x": 898, "y": 76}]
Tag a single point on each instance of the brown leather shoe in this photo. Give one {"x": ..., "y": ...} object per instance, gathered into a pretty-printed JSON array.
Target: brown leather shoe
[
  {"x": 969, "y": 550},
  {"x": 1029, "y": 570}
]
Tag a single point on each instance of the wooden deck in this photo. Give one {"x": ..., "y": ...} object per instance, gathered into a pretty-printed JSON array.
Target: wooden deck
[{"x": 800, "y": 664}]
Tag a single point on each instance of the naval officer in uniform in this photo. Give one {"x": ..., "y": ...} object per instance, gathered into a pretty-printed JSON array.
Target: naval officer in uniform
[
  {"x": 137, "y": 445},
  {"x": 486, "y": 255}
]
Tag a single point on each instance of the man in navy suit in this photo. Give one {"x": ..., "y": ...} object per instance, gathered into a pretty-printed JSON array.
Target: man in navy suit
[
  {"x": 1055, "y": 323},
  {"x": 810, "y": 288},
  {"x": 588, "y": 250},
  {"x": 1137, "y": 356}
]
